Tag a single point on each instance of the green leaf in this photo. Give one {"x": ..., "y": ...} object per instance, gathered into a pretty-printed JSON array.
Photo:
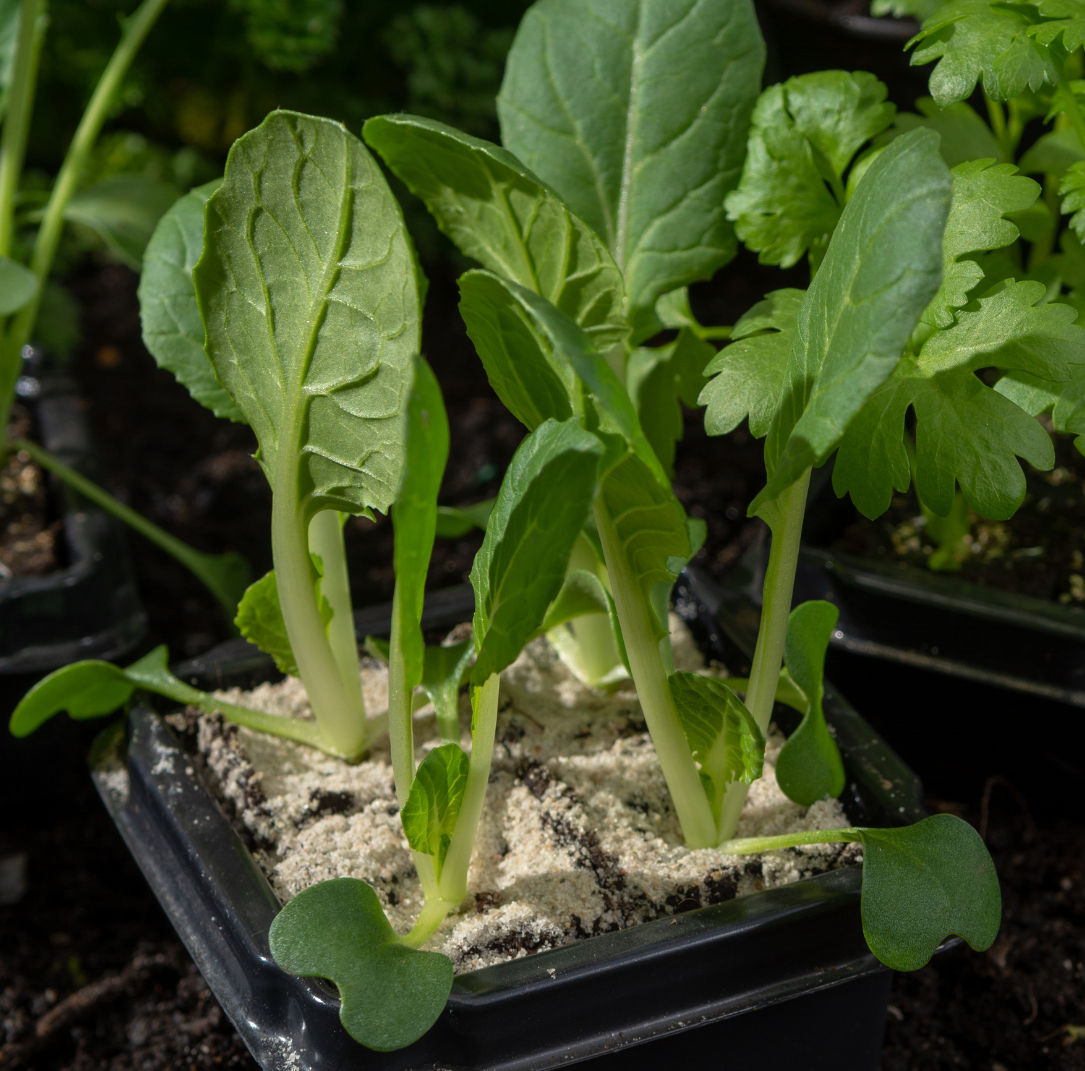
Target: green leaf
[
  {"x": 965, "y": 431},
  {"x": 455, "y": 521},
  {"x": 433, "y": 805},
  {"x": 983, "y": 195},
  {"x": 751, "y": 373},
  {"x": 1053, "y": 153},
  {"x": 923, "y": 883},
  {"x": 725, "y": 740},
  {"x": 974, "y": 38},
  {"x": 804, "y": 134},
  {"x": 87, "y": 689},
  {"x": 18, "y": 285},
  {"x": 965, "y": 136},
  {"x": 660, "y": 378},
  {"x": 1063, "y": 19},
  {"x": 582, "y": 592},
  {"x": 882, "y": 268},
  {"x": 414, "y": 515},
  {"x": 123, "y": 211},
  {"x": 543, "y": 503},
  {"x": 637, "y": 114},
  {"x": 307, "y": 291},
  {"x": 1072, "y": 192},
  {"x": 260, "y": 618},
  {"x": 809, "y": 766},
  {"x": 9, "y": 30},
  {"x": 172, "y": 328},
  {"x": 444, "y": 669},
  {"x": 390, "y": 995},
  {"x": 498, "y": 212}
]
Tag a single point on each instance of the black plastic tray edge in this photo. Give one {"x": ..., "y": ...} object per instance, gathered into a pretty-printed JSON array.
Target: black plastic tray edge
[{"x": 159, "y": 777}]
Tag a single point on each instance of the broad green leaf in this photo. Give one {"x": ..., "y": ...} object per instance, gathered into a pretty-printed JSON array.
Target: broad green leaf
[
  {"x": 260, "y": 618},
  {"x": 1064, "y": 21},
  {"x": 307, "y": 291},
  {"x": 751, "y": 373},
  {"x": 543, "y": 503},
  {"x": 882, "y": 268},
  {"x": 430, "y": 813},
  {"x": 662, "y": 379},
  {"x": 455, "y": 521},
  {"x": 965, "y": 136},
  {"x": 965, "y": 431},
  {"x": 809, "y": 766},
  {"x": 803, "y": 137},
  {"x": 498, "y": 212},
  {"x": 983, "y": 195},
  {"x": 924, "y": 883},
  {"x": 636, "y": 113},
  {"x": 725, "y": 740},
  {"x": 389, "y": 994},
  {"x": 444, "y": 669},
  {"x": 582, "y": 592},
  {"x": 172, "y": 328},
  {"x": 1053, "y": 153},
  {"x": 414, "y": 515},
  {"x": 1072, "y": 192},
  {"x": 123, "y": 211},
  {"x": 974, "y": 39},
  {"x": 87, "y": 689},
  {"x": 18, "y": 284}
]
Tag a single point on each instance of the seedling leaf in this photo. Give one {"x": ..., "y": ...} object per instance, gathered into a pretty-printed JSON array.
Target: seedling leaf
[
  {"x": 444, "y": 669},
  {"x": 430, "y": 813},
  {"x": 390, "y": 995},
  {"x": 809, "y": 766},
  {"x": 172, "y": 328},
  {"x": 965, "y": 136},
  {"x": 593, "y": 103},
  {"x": 88, "y": 689},
  {"x": 456, "y": 521},
  {"x": 18, "y": 284},
  {"x": 582, "y": 592}
]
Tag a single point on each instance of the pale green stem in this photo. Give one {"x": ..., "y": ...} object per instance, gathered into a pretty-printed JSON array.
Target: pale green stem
[
  {"x": 752, "y": 845},
  {"x": 24, "y": 78},
  {"x": 326, "y": 541},
  {"x": 776, "y": 606},
  {"x": 206, "y": 567},
  {"x": 136, "y": 28},
  {"x": 341, "y": 719},
  {"x": 640, "y": 633},
  {"x": 433, "y": 914},
  {"x": 998, "y": 124},
  {"x": 400, "y": 708},
  {"x": 453, "y": 886}
]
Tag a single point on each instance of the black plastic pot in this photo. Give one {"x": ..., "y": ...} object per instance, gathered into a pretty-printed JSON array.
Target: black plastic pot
[{"x": 782, "y": 977}]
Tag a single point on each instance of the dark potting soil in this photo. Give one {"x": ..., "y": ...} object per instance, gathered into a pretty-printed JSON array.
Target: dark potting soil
[
  {"x": 93, "y": 979},
  {"x": 1040, "y": 551}
]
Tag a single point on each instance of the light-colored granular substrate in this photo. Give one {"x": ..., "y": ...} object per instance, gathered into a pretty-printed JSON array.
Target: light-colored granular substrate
[{"x": 578, "y": 835}]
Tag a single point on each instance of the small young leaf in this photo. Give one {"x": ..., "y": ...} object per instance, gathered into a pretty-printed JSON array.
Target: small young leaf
[
  {"x": 390, "y": 995},
  {"x": 921, "y": 884},
  {"x": 543, "y": 503},
  {"x": 87, "y": 689},
  {"x": 444, "y": 669},
  {"x": 456, "y": 521},
  {"x": 18, "y": 284},
  {"x": 721, "y": 732},
  {"x": 1053, "y": 153},
  {"x": 809, "y": 766},
  {"x": 751, "y": 373},
  {"x": 172, "y": 328},
  {"x": 593, "y": 102},
  {"x": 582, "y": 592},
  {"x": 882, "y": 268},
  {"x": 965, "y": 136},
  {"x": 498, "y": 212},
  {"x": 430, "y": 813}
]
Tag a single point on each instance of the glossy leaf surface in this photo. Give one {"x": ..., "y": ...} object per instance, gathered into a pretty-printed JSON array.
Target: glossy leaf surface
[{"x": 430, "y": 813}]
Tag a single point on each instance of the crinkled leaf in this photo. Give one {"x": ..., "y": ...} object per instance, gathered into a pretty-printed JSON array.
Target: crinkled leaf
[
  {"x": 658, "y": 380},
  {"x": 433, "y": 805},
  {"x": 389, "y": 994},
  {"x": 1053, "y": 153},
  {"x": 544, "y": 500},
  {"x": 722, "y": 734},
  {"x": 974, "y": 39},
  {"x": 123, "y": 210},
  {"x": 924, "y": 883},
  {"x": 18, "y": 284},
  {"x": 983, "y": 195},
  {"x": 87, "y": 689},
  {"x": 498, "y": 212},
  {"x": 965, "y": 136},
  {"x": 444, "y": 669},
  {"x": 751, "y": 373},
  {"x": 636, "y": 114},
  {"x": 882, "y": 268},
  {"x": 414, "y": 516},
  {"x": 809, "y": 766},
  {"x": 455, "y": 521},
  {"x": 172, "y": 328},
  {"x": 307, "y": 288},
  {"x": 965, "y": 431}
]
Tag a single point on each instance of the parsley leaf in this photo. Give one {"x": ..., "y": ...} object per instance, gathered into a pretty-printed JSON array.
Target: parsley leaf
[{"x": 1072, "y": 192}]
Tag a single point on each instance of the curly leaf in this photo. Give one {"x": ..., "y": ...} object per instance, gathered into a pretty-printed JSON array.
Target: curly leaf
[{"x": 390, "y": 995}]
